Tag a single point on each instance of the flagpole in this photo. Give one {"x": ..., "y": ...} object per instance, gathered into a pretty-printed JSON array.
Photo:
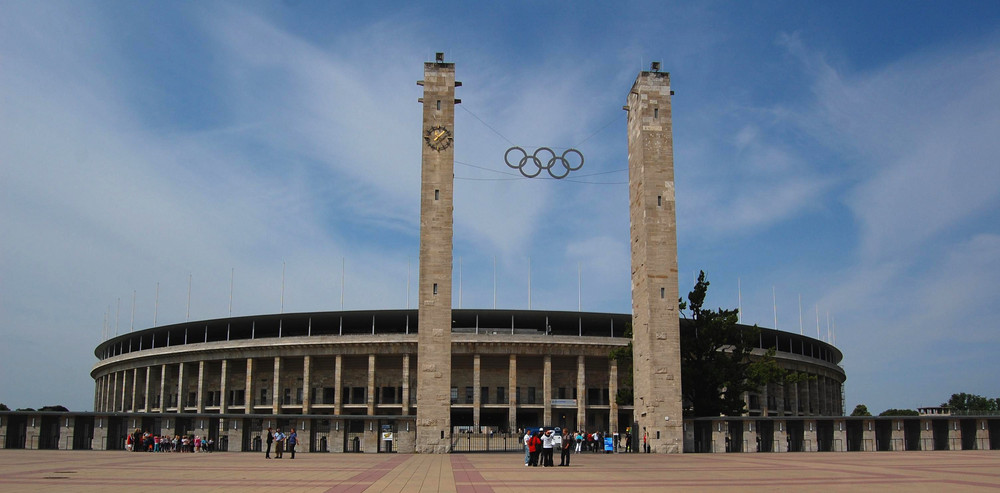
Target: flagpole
[
  {"x": 131, "y": 323},
  {"x": 282, "y": 287},
  {"x": 232, "y": 277},
  {"x": 774, "y": 298},
  {"x": 188, "y": 317},
  {"x": 739, "y": 301},
  {"x": 459, "y": 282},
  {"x": 494, "y": 282},
  {"x": 529, "y": 283},
  {"x": 800, "y": 314},
  {"x": 817, "y": 321},
  {"x": 156, "y": 304},
  {"x": 343, "y": 265}
]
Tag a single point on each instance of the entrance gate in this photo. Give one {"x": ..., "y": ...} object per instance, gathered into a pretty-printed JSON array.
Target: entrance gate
[{"x": 489, "y": 441}]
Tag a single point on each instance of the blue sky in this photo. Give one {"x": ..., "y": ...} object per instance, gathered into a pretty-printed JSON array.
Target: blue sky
[{"x": 842, "y": 152}]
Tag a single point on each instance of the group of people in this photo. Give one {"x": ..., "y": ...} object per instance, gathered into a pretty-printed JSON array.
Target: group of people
[
  {"x": 281, "y": 442},
  {"x": 540, "y": 447},
  {"x": 140, "y": 441}
]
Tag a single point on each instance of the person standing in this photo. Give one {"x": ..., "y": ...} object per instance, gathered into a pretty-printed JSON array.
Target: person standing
[
  {"x": 535, "y": 447},
  {"x": 290, "y": 441},
  {"x": 564, "y": 449},
  {"x": 270, "y": 440},
  {"x": 279, "y": 443},
  {"x": 527, "y": 451},
  {"x": 547, "y": 449}
]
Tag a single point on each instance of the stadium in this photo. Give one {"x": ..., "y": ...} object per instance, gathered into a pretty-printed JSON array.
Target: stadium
[{"x": 338, "y": 376}]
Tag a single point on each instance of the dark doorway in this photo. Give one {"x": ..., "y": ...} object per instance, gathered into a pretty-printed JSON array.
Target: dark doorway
[
  {"x": 734, "y": 436},
  {"x": 83, "y": 433},
  {"x": 702, "y": 437},
  {"x": 354, "y": 436},
  {"x": 940, "y": 427},
  {"x": 968, "y": 434},
  {"x": 117, "y": 429},
  {"x": 253, "y": 431},
  {"x": 17, "y": 431},
  {"x": 318, "y": 433},
  {"x": 855, "y": 436},
  {"x": 824, "y": 436},
  {"x": 796, "y": 435},
  {"x": 48, "y": 434},
  {"x": 994, "y": 427},
  {"x": 883, "y": 436},
  {"x": 911, "y": 434},
  {"x": 765, "y": 435}
]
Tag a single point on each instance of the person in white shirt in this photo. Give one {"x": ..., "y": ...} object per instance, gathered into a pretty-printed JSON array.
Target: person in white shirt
[
  {"x": 527, "y": 454},
  {"x": 547, "y": 449}
]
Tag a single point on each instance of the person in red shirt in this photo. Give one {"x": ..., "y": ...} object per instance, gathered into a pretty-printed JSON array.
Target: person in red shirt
[{"x": 535, "y": 447}]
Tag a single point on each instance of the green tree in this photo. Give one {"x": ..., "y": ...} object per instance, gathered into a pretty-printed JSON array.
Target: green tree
[
  {"x": 860, "y": 410},
  {"x": 971, "y": 402},
  {"x": 716, "y": 363},
  {"x": 3, "y": 407},
  {"x": 899, "y": 412}
]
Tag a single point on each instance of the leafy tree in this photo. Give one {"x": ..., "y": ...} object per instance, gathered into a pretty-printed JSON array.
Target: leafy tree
[
  {"x": 716, "y": 363},
  {"x": 716, "y": 366},
  {"x": 971, "y": 402},
  {"x": 54, "y": 408},
  {"x": 3, "y": 407},
  {"x": 899, "y": 412},
  {"x": 860, "y": 410}
]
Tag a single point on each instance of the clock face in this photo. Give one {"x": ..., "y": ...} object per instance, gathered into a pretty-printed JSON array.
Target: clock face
[{"x": 438, "y": 138}]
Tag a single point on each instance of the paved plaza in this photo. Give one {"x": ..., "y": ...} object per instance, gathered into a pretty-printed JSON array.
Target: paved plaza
[{"x": 80, "y": 471}]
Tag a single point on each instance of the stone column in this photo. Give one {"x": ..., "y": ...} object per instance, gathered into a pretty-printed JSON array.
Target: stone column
[
  {"x": 135, "y": 386},
  {"x": 612, "y": 394},
  {"x": 180, "y": 388},
  {"x": 926, "y": 434},
  {"x": 163, "y": 388},
  {"x": 306, "y": 384},
  {"x": 750, "y": 435},
  {"x": 371, "y": 385},
  {"x": 868, "y": 436},
  {"x": 982, "y": 434},
  {"x": 547, "y": 391},
  {"x": 406, "y": 385},
  {"x": 437, "y": 180},
  {"x": 898, "y": 436},
  {"x": 338, "y": 394},
  {"x": 839, "y": 436},
  {"x": 811, "y": 436},
  {"x": 201, "y": 387},
  {"x": 124, "y": 390},
  {"x": 653, "y": 232},
  {"x": 248, "y": 389},
  {"x": 581, "y": 392},
  {"x": 97, "y": 398},
  {"x": 223, "y": 380},
  {"x": 276, "y": 385},
  {"x": 145, "y": 392},
  {"x": 780, "y": 436},
  {"x": 477, "y": 398},
  {"x": 512, "y": 394}
]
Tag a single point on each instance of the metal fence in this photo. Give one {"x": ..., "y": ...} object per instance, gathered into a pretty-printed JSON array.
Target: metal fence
[{"x": 487, "y": 442}]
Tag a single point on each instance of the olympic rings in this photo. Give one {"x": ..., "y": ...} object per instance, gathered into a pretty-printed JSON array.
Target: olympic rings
[{"x": 545, "y": 162}]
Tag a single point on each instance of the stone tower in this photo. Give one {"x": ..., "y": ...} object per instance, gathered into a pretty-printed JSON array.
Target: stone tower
[
  {"x": 436, "y": 232},
  {"x": 653, "y": 226}
]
